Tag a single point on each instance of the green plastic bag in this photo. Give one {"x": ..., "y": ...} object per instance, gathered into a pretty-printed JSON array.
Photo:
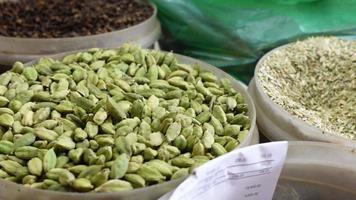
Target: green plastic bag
[{"x": 234, "y": 34}]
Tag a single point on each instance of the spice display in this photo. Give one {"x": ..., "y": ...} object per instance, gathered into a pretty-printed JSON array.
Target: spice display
[
  {"x": 70, "y": 18},
  {"x": 113, "y": 120},
  {"x": 315, "y": 80}
]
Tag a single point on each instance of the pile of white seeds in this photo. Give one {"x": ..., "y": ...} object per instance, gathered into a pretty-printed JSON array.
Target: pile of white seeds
[{"x": 315, "y": 80}]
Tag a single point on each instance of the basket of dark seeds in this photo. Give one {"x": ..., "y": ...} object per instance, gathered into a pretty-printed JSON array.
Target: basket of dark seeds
[{"x": 30, "y": 29}]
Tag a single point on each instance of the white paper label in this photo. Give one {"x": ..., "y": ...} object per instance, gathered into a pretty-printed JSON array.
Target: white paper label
[{"x": 249, "y": 173}]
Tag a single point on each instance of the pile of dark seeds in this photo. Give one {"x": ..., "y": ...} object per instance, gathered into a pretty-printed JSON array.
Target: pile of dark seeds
[{"x": 69, "y": 18}]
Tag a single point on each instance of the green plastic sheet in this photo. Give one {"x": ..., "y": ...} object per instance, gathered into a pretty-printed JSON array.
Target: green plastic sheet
[{"x": 234, "y": 34}]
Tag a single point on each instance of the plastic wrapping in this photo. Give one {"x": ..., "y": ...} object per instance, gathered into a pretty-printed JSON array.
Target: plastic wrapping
[
  {"x": 12, "y": 191},
  {"x": 277, "y": 124},
  {"x": 234, "y": 34}
]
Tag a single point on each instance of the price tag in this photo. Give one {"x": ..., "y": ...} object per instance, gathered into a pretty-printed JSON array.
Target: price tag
[{"x": 249, "y": 173}]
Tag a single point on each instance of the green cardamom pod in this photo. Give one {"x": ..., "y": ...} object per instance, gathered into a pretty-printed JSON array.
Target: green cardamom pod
[
  {"x": 65, "y": 142},
  {"x": 75, "y": 155},
  {"x": 26, "y": 152},
  {"x": 6, "y": 120},
  {"x": 3, "y": 174},
  {"x": 45, "y": 134},
  {"x": 122, "y": 145},
  {"x": 231, "y": 145},
  {"x": 106, "y": 151},
  {"x": 241, "y": 120},
  {"x": 115, "y": 111},
  {"x": 183, "y": 172},
  {"x": 30, "y": 73},
  {"x": 77, "y": 169},
  {"x": 173, "y": 131},
  {"x": 166, "y": 152},
  {"x": 133, "y": 167},
  {"x": 149, "y": 154},
  {"x": 82, "y": 185},
  {"x": 61, "y": 161},
  {"x": 100, "y": 177},
  {"x": 198, "y": 149},
  {"x": 25, "y": 140},
  {"x": 41, "y": 114},
  {"x": 49, "y": 160},
  {"x": 232, "y": 130},
  {"x": 204, "y": 117},
  {"x": 182, "y": 161},
  {"x": 119, "y": 167},
  {"x": 150, "y": 173},
  {"x": 218, "y": 127},
  {"x": 6, "y": 147},
  {"x": 163, "y": 167},
  {"x": 180, "y": 142},
  {"x": 114, "y": 186},
  {"x": 10, "y": 166},
  {"x": 217, "y": 149},
  {"x": 219, "y": 113},
  {"x": 29, "y": 179},
  {"x": 136, "y": 180}
]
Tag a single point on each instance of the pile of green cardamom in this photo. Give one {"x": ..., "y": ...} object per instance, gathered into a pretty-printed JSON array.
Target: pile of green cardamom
[{"x": 108, "y": 120}]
